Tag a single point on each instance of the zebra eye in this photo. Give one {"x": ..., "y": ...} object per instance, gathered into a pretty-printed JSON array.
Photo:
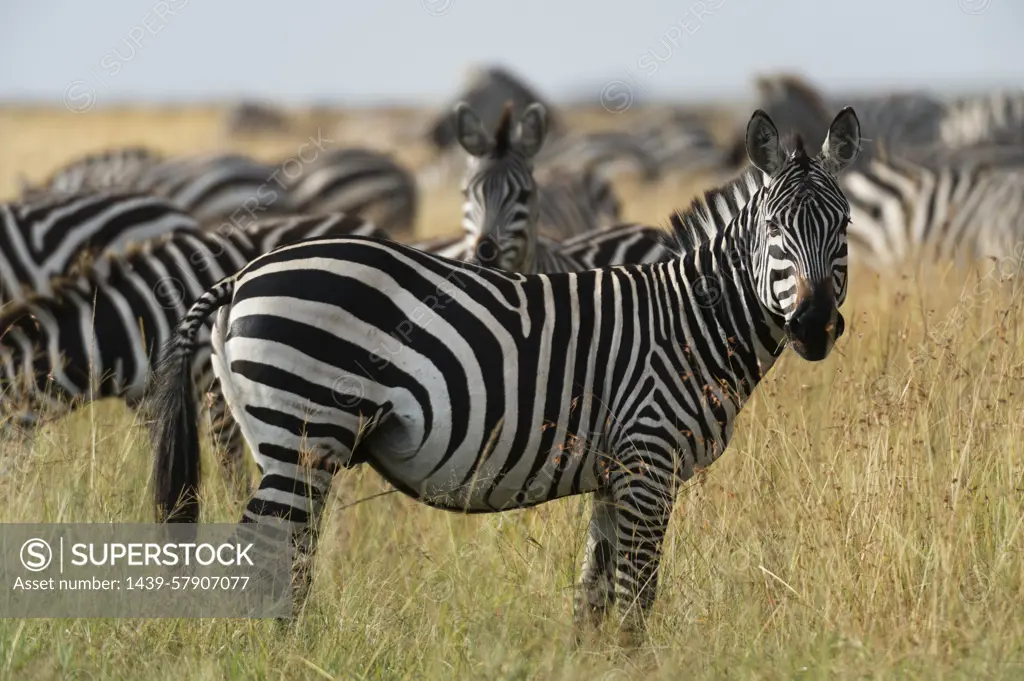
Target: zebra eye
[{"x": 773, "y": 229}]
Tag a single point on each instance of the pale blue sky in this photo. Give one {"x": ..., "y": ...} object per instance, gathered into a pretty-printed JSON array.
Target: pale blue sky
[{"x": 416, "y": 51}]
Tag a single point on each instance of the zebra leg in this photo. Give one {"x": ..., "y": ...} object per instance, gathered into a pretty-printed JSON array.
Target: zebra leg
[
  {"x": 596, "y": 589},
  {"x": 227, "y": 439},
  {"x": 644, "y": 494},
  {"x": 293, "y": 490}
]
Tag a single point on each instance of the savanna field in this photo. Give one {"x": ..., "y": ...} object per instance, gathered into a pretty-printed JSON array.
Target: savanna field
[{"x": 865, "y": 522}]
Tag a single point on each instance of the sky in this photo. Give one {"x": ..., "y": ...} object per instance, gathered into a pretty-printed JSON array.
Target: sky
[{"x": 351, "y": 52}]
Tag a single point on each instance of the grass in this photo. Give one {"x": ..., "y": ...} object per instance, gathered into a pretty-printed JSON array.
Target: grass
[{"x": 864, "y": 523}]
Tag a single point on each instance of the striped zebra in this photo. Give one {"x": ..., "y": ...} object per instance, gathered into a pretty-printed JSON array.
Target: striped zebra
[
  {"x": 356, "y": 181},
  {"x": 487, "y": 91},
  {"x": 603, "y": 151},
  {"x": 95, "y": 335},
  {"x": 660, "y": 143},
  {"x": 900, "y": 122},
  {"x": 996, "y": 118},
  {"x": 959, "y": 207},
  {"x": 209, "y": 187},
  {"x": 101, "y": 170},
  {"x": 503, "y": 203},
  {"x": 53, "y": 235},
  {"x": 476, "y": 390}
]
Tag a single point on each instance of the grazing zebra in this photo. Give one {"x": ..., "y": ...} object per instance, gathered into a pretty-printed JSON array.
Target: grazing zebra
[
  {"x": 101, "y": 170},
  {"x": 361, "y": 182},
  {"x": 208, "y": 187},
  {"x": 96, "y": 334},
  {"x": 945, "y": 210},
  {"x": 476, "y": 390},
  {"x": 49, "y": 237},
  {"x": 997, "y": 118},
  {"x": 502, "y": 216}
]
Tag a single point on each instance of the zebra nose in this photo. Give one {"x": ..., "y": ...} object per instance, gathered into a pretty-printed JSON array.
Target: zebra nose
[
  {"x": 814, "y": 313},
  {"x": 487, "y": 251}
]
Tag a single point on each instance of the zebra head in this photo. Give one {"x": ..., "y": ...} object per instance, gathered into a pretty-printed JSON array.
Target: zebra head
[
  {"x": 799, "y": 257},
  {"x": 500, "y": 193}
]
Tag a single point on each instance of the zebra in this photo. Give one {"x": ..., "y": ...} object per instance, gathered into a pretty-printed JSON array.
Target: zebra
[
  {"x": 502, "y": 216},
  {"x": 997, "y": 118},
  {"x": 487, "y": 91},
  {"x": 110, "y": 168},
  {"x": 53, "y": 235},
  {"x": 357, "y": 181},
  {"x": 96, "y": 334},
  {"x": 476, "y": 390},
  {"x": 900, "y": 121},
  {"x": 957, "y": 207},
  {"x": 661, "y": 142},
  {"x": 209, "y": 187},
  {"x": 602, "y": 151}
]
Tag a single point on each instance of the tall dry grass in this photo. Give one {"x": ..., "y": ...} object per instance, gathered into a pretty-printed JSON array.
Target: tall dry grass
[{"x": 864, "y": 523}]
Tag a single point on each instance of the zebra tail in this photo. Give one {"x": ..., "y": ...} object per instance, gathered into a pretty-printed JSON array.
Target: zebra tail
[{"x": 174, "y": 430}]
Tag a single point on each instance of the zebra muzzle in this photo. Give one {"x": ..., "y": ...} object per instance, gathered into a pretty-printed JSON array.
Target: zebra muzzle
[{"x": 816, "y": 323}]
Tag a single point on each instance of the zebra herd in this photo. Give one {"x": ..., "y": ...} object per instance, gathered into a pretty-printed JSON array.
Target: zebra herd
[{"x": 546, "y": 349}]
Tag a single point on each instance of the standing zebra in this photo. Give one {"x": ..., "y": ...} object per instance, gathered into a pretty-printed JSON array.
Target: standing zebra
[
  {"x": 50, "y": 236},
  {"x": 505, "y": 209},
  {"x": 208, "y": 187},
  {"x": 958, "y": 207},
  {"x": 900, "y": 121},
  {"x": 997, "y": 118},
  {"x": 96, "y": 334},
  {"x": 360, "y": 182},
  {"x": 487, "y": 92},
  {"x": 476, "y": 390}
]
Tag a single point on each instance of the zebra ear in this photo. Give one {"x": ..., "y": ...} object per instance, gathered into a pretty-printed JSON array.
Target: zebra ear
[
  {"x": 762, "y": 143},
  {"x": 842, "y": 144},
  {"x": 470, "y": 131},
  {"x": 533, "y": 126}
]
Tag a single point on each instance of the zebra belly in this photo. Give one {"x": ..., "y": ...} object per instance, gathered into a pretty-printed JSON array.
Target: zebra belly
[{"x": 479, "y": 476}]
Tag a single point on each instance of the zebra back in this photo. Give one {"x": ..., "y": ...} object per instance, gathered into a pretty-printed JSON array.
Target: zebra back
[
  {"x": 112, "y": 168},
  {"x": 360, "y": 182},
  {"x": 570, "y": 204},
  {"x": 52, "y": 236}
]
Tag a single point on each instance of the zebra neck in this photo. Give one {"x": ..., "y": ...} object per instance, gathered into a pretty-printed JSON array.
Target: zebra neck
[{"x": 738, "y": 338}]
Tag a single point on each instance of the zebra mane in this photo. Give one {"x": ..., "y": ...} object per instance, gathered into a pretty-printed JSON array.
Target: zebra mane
[
  {"x": 710, "y": 213},
  {"x": 503, "y": 132}
]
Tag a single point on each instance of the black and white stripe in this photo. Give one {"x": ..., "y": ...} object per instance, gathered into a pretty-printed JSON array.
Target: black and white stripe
[
  {"x": 96, "y": 335},
  {"x": 503, "y": 209},
  {"x": 356, "y": 181},
  {"x": 209, "y": 187},
  {"x": 476, "y": 390},
  {"x": 48, "y": 237},
  {"x": 996, "y": 118},
  {"x": 969, "y": 209},
  {"x": 112, "y": 168}
]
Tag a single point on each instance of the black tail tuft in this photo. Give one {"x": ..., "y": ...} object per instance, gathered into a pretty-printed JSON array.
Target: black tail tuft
[{"x": 175, "y": 431}]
